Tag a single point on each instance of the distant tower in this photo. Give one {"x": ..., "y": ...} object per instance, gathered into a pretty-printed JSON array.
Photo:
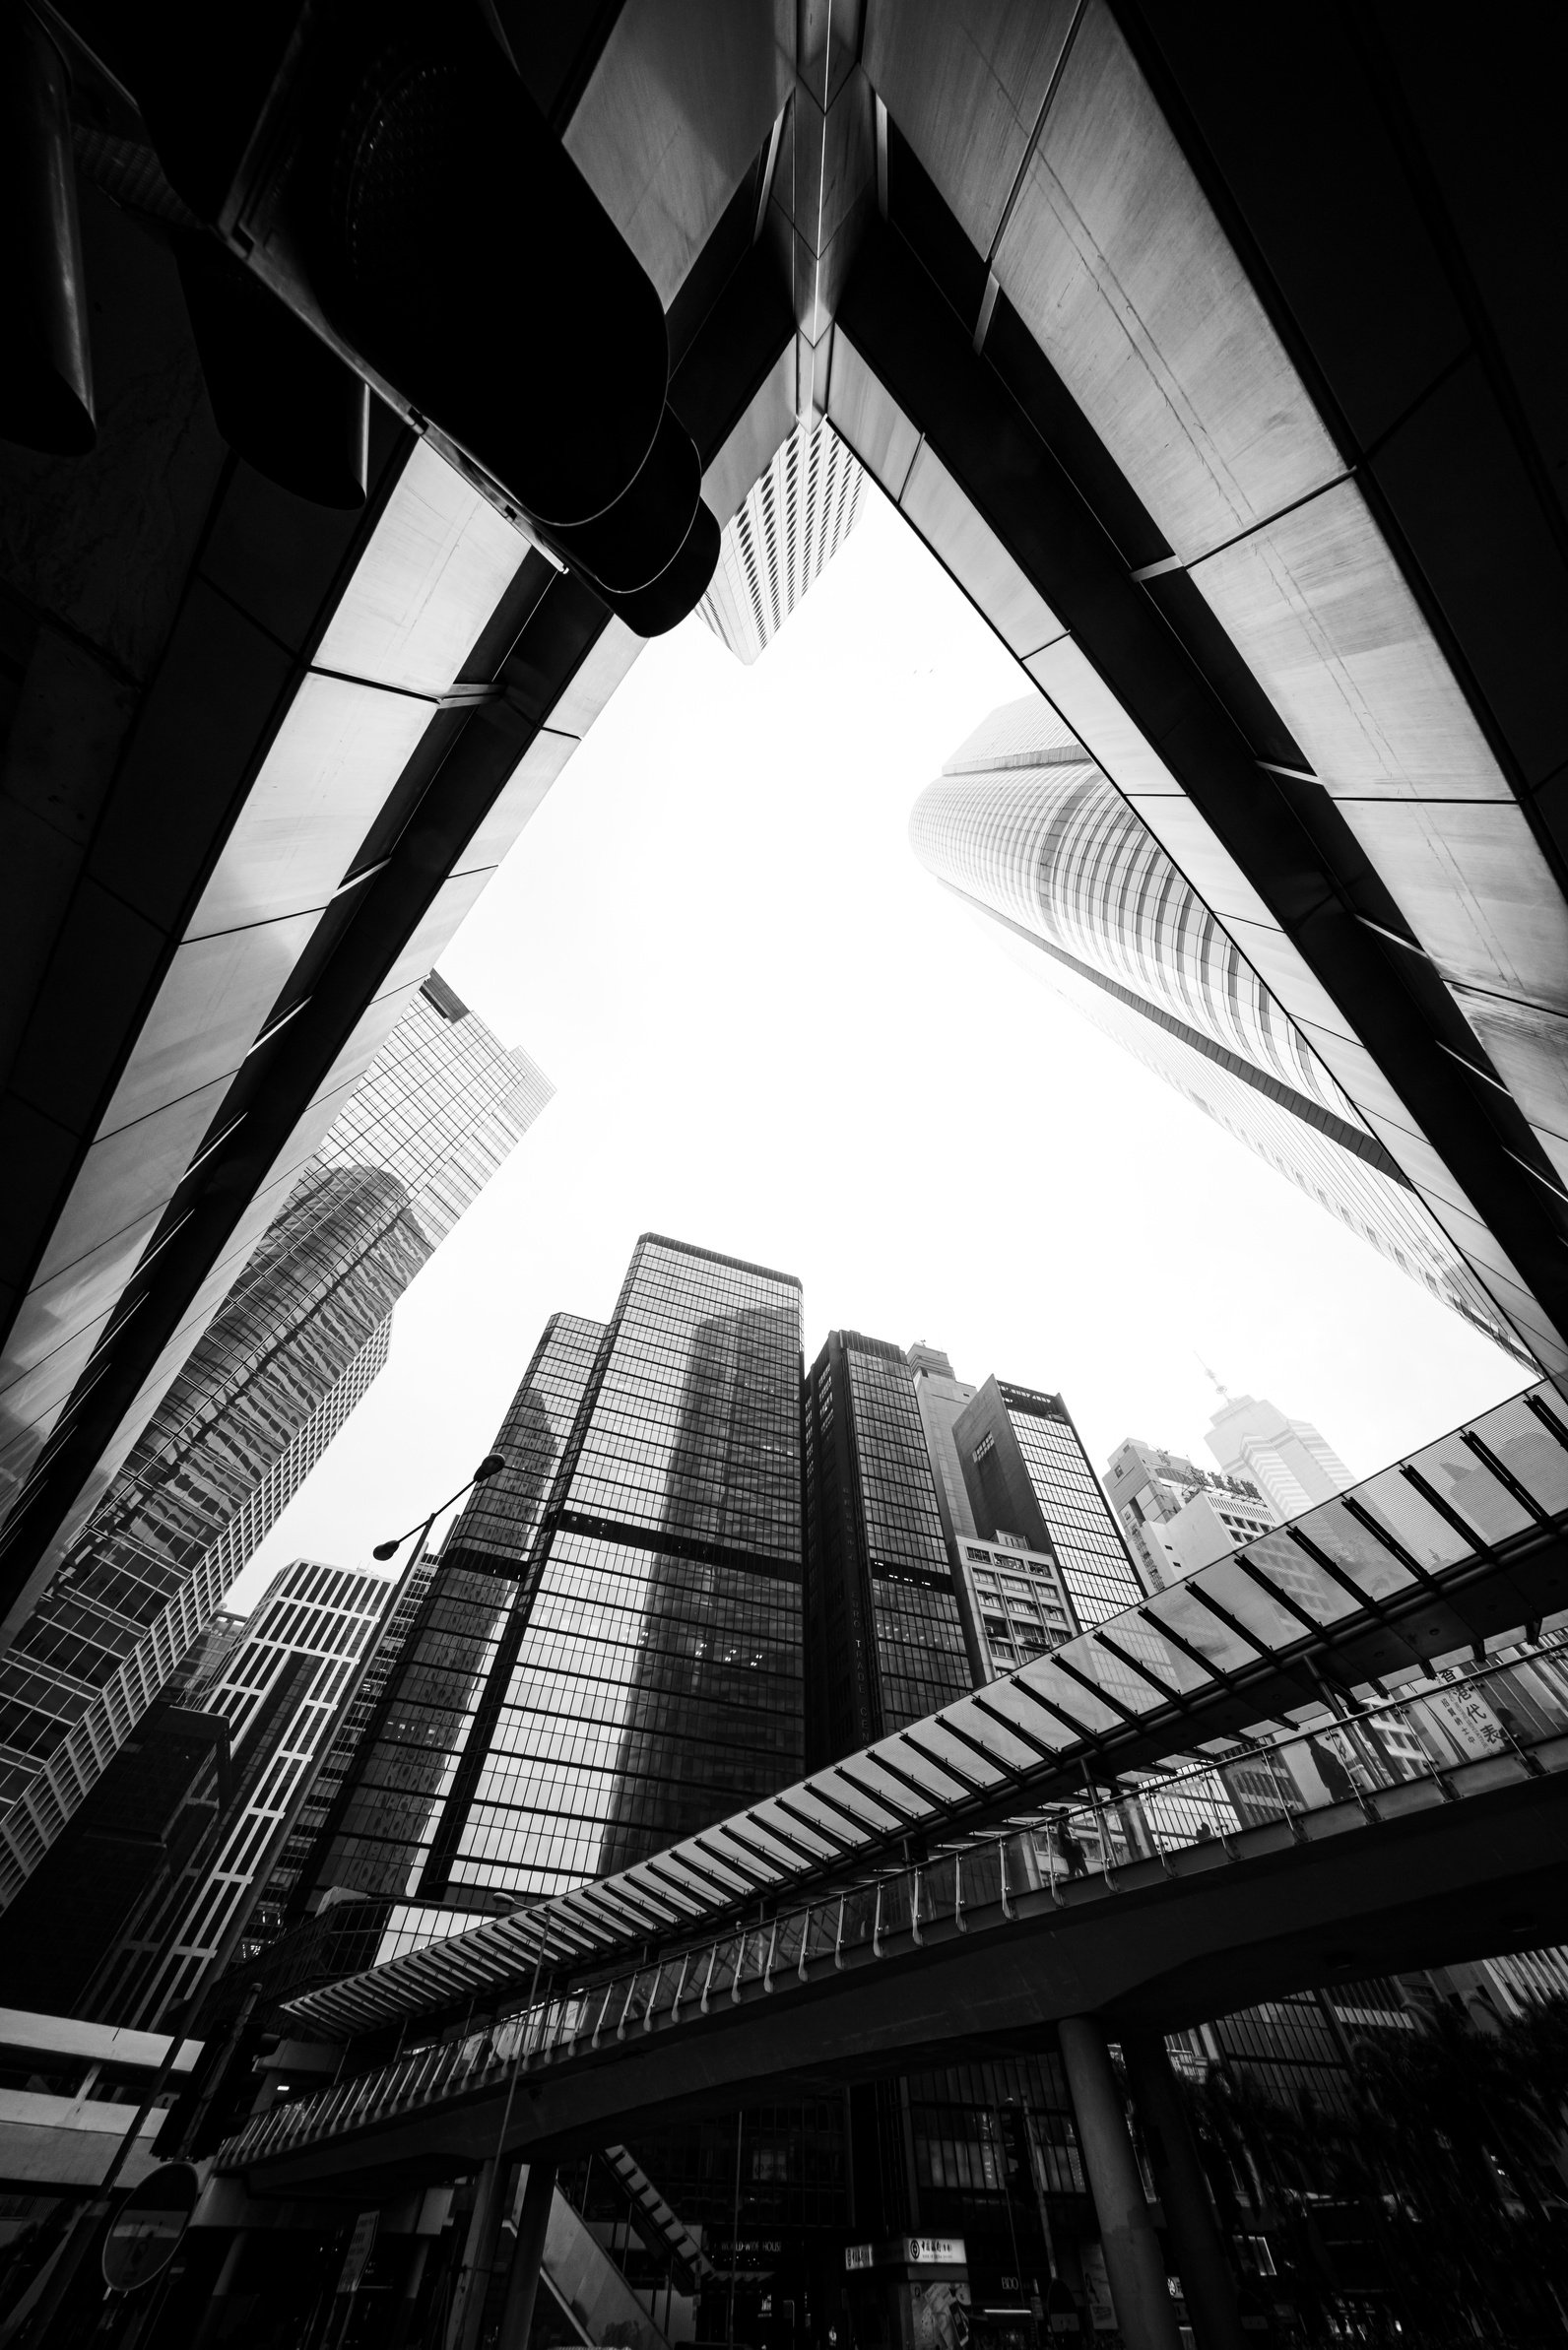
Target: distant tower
[
  {"x": 791, "y": 523},
  {"x": 1023, "y": 825},
  {"x": 1290, "y": 1462},
  {"x": 288, "y": 1354}
]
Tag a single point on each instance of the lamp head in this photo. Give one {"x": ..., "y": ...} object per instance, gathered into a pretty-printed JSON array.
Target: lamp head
[
  {"x": 385, "y": 1550},
  {"x": 489, "y": 1466}
]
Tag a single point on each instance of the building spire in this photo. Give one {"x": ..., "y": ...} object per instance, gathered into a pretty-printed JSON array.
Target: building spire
[{"x": 1218, "y": 1385}]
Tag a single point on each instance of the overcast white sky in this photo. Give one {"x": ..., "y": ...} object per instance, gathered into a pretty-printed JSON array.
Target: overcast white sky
[{"x": 773, "y": 1034}]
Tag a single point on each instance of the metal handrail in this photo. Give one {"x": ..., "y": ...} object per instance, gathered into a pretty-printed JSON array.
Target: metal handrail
[{"x": 1444, "y": 1736}]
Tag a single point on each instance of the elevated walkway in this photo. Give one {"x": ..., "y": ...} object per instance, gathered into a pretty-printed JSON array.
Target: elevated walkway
[
  {"x": 1427, "y": 1565},
  {"x": 1418, "y": 1832}
]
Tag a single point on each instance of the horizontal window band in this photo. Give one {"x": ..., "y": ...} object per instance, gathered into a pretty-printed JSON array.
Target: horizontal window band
[{"x": 676, "y": 1545}]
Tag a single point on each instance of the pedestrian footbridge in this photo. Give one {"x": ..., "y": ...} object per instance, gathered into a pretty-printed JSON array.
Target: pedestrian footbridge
[{"x": 1343, "y": 1750}]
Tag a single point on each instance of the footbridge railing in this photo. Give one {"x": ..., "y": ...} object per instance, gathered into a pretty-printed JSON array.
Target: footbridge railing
[{"x": 1456, "y": 1738}]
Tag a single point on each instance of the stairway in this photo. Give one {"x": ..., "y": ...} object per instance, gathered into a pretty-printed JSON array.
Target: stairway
[{"x": 668, "y": 2225}]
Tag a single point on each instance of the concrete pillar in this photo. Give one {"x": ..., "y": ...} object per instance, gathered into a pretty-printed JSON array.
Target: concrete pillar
[
  {"x": 522, "y": 2284},
  {"x": 1207, "y": 2285},
  {"x": 216, "y": 2310},
  {"x": 1133, "y": 2263},
  {"x": 412, "y": 2278},
  {"x": 479, "y": 2252}
]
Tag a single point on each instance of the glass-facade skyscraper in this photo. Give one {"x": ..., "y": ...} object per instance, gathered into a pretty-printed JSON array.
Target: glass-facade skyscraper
[
  {"x": 1025, "y": 827},
  {"x": 289, "y": 1353},
  {"x": 612, "y": 1654},
  {"x": 885, "y": 1638}
]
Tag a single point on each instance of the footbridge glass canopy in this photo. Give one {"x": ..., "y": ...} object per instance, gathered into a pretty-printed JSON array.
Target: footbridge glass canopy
[{"x": 1456, "y": 1549}]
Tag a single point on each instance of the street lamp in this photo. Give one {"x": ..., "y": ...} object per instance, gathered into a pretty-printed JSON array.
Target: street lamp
[{"x": 487, "y": 1468}]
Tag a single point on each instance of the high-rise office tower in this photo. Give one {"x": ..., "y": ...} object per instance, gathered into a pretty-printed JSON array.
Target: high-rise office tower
[
  {"x": 610, "y": 1656},
  {"x": 885, "y": 1637},
  {"x": 290, "y": 1350},
  {"x": 791, "y": 522},
  {"x": 340, "y": 1756},
  {"x": 1030, "y": 1477},
  {"x": 1027, "y": 828},
  {"x": 1287, "y": 1459},
  {"x": 281, "y": 1690},
  {"x": 1177, "y": 1517}
]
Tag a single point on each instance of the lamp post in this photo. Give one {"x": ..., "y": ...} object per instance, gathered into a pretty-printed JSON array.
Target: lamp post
[{"x": 487, "y": 1468}]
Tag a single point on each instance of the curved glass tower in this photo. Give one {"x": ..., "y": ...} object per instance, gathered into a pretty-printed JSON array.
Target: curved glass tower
[{"x": 1023, "y": 824}]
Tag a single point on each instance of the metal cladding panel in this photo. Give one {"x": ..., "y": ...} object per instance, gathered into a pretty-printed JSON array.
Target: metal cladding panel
[
  {"x": 1529, "y": 1047},
  {"x": 1476, "y": 891},
  {"x": 965, "y": 81},
  {"x": 866, "y": 413},
  {"x": 1212, "y": 871},
  {"x": 1117, "y": 265},
  {"x": 532, "y": 777},
  {"x": 755, "y": 440},
  {"x": 1102, "y": 722},
  {"x": 971, "y": 550},
  {"x": 1316, "y": 605},
  {"x": 333, "y": 760},
  {"x": 679, "y": 103},
  {"x": 216, "y": 997}
]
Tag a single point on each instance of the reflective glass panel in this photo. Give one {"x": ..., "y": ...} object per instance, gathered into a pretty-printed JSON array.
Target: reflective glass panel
[
  {"x": 1275, "y": 1626},
  {"x": 1186, "y": 1616},
  {"x": 1008, "y": 1751},
  {"x": 1115, "y": 1676},
  {"x": 1287, "y": 1565},
  {"x": 1343, "y": 1538},
  {"x": 1411, "y": 1520},
  {"x": 1043, "y": 1729},
  {"x": 1453, "y": 1471},
  {"x": 1513, "y": 1435},
  {"x": 1068, "y": 1697},
  {"x": 935, "y": 1740},
  {"x": 1168, "y": 1665}
]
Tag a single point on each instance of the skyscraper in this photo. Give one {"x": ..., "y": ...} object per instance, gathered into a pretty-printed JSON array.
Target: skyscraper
[
  {"x": 1025, "y": 827},
  {"x": 1177, "y": 1517},
  {"x": 793, "y": 520},
  {"x": 1290, "y": 1461},
  {"x": 290, "y": 1351},
  {"x": 281, "y": 1690},
  {"x": 1030, "y": 1477},
  {"x": 611, "y": 1651},
  {"x": 885, "y": 1638}
]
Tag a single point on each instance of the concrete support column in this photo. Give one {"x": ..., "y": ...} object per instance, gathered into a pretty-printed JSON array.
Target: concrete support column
[
  {"x": 522, "y": 2284},
  {"x": 1133, "y": 2263},
  {"x": 478, "y": 2252},
  {"x": 407, "y": 2300},
  {"x": 1207, "y": 2285},
  {"x": 216, "y": 2310}
]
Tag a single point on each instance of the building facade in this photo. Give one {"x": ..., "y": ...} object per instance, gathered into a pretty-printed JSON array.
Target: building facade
[
  {"x": 1177, "y": 1517},
  {"x": 1025, "y": 827},
  {"x": 291, "y": 1352},
  {"x": 790, "y": 524},
  {"x": 1287, "y": 1459},
  {"x": 1030, "y": 1477},
  {"x": 612, "y": 1651},
  {"x": 281, "y": 1691},
  {"x": 885, "y": 1634}
]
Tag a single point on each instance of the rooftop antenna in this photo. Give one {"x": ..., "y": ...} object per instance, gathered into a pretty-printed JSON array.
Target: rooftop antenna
[{"x": 1218, "y": 1385}]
